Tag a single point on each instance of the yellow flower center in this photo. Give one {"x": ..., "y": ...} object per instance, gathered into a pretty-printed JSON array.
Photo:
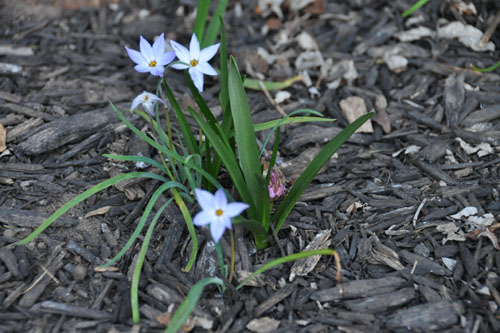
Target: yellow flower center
[
  {"x": 218, "y": 212},
  {"x": 146, "y": 98},
  {"x": 194, "y": 62},
  {"x": 153, "y": 63}
]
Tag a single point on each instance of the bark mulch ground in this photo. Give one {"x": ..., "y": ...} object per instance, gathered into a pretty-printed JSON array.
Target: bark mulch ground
[{"x": 411, "y": 203}]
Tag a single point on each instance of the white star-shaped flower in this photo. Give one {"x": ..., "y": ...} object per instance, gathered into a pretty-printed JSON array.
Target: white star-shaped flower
[
  {"x": 216, "y": 211},
  {"x": 151, "y": 59},
  {"x": 196, "y": 60},
  {"x": 148, "y": 102}
]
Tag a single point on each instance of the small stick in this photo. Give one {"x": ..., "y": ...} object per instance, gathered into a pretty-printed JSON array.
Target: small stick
[
  {"x": 270, "y": 98},
  {"x": 415, "y": 217},
  {"x": 491, "y": 28}
]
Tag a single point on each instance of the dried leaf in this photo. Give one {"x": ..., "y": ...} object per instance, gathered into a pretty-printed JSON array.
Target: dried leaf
[
  {"x": 452, "y": 232},
  {"x": 467, "y": 211},
  {"x": 467, "y": 34},
  {"x": 98, "y": 211}
]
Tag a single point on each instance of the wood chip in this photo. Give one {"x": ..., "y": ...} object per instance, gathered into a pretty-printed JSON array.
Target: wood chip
[
  {"x": 303, "y": 266},
  {"x": 3, "y": 138},
  {"x": 354, "y": 107}
]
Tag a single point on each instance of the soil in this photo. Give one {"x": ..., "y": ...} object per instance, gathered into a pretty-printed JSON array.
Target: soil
[{"x": 411, "y": 203}]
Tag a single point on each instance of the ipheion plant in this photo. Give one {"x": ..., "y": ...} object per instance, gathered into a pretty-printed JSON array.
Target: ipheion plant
[{"x": 240, "y": 159}]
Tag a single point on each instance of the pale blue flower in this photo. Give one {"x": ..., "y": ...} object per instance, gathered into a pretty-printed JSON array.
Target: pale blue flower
[
  {"x": 196, "y": 60},
  {"x": 151, "y": 59},
  {"x": 216, "y": 211},
  {"x": 148, "y": 102}
]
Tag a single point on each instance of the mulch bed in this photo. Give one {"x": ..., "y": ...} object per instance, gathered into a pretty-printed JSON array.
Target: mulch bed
[{"x": 411, "y": 204}]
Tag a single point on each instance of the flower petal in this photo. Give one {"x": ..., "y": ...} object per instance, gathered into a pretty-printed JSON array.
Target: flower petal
[
  {"x": 234, "y": 209},
  {"x": 180, "y": 51},
  {"x": 179, "y": 66},
  {"x": 194, "y": 48},
  {"x": 156, "y": 98},
  {"x": 205, "y": 199},
  {"x": 208, "y": 52},
  {"x": 146, "y": 50},
  {"x": 206, "y": 68},
  {"x": 138, "y": 100},
  {"x": 203, "y": 218},
  {"x": 149, "y": 107},
  {"x": 166, "y": 58},
  {"x": 217, "y": 230},
  {"x": 136, "y": 56},
  {"x": 220, "y": 200},
  {"x": 142, "y": 68},
  {"x": 157, "y": 70},
  {"x": 197, "y": 78},
  {"x": 159, "y": 47}
]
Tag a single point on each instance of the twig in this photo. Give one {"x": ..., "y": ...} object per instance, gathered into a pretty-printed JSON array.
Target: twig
[{"x": 270, "y": 98}]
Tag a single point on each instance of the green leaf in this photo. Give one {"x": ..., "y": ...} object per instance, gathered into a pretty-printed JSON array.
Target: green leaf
[
  {"x": 201, "y": 18},
  {"x": 313, "y": 168},
  {"x": 227, "y": 156},
  {"x": 183, "y": 123},
  {"x": 142, "y": 159},
  {"x": 134, "y": 288},
  {"x": 246, "y": 141},
  {"x": 487, "y": 69},
  {"x": 165, "y": 150},
  {"x": 213, "y": 26},
  {"x": 415, "y": 7},
  {"x": 81, "y": 197},
  {"x": 187, "y": 307},
  {"x": 255, "y": 84},
  {"x": 283, "y": 260},
  {"x": 143, "y": 220},
  {"x": 227, "y": 121},
  {"x": 286, "y": 121}
]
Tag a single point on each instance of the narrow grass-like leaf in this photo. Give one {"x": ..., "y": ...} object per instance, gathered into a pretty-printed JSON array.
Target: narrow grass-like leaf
[
  {"x": 487, "y": 69},
  {"x": 255, "y": 85},
  {"x": 205, "y": 110},
  {"x": 184, "y": 125},
  {"x": 144, "y": 218},
  {"x": 286, "y": 259},
  {"x": 189, "y": 303},
  {"x": 83, "y": 196},
  {"x": 228, "y": 157},
  {"x": 189, "y": 223},
  {"x": 246, "y": 140},
  {"x": 286, "y": 121},
  {"x": 415, "y": 7},
  {"x": 142, "y": 159},
  {"x": 213, "y": 26},
  {"x": 165, "y": 150},
  {"x": 201, "y": 18},
  {"x": 313, "y": 168},
  {"x": 224, "y": 88},
  {"x": 134, "y": 288},
  {"x": 282, "y": 122}
]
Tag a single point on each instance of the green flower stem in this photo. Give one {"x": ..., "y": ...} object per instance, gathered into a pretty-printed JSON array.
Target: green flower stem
[{"x": 220, "y": 259}]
